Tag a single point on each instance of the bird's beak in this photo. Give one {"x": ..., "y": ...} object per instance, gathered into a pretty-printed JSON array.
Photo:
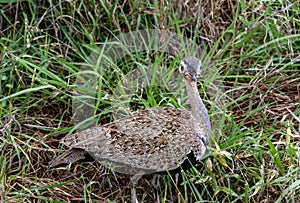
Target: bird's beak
[{"x": 194, "y": 77}]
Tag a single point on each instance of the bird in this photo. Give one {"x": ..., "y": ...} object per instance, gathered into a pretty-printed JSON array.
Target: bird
[{"x": 149, "y": 141}]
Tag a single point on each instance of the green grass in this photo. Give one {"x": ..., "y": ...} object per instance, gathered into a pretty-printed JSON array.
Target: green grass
[{"x": 251, "y": 87}]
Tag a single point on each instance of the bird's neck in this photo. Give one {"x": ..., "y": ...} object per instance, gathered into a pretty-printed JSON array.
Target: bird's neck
[{"x": 200, "y": 116}]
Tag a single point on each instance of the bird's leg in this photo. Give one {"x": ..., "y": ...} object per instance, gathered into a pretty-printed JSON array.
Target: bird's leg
[
  {"x": 155, "y": 185},
  {"x": 134, "y": 180},
  {"x": 176, "y": 178},
  {"x": 155, "y": 181}
]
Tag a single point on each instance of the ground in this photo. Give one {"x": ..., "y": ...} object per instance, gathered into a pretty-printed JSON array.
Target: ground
[{"x": 253, "y": 99}]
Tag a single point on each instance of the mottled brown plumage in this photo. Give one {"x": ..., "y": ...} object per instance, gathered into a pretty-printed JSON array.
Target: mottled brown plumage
[{"x": 152, "y": 140}]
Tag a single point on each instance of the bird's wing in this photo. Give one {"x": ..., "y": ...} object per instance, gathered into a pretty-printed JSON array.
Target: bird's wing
[{"x": 153, "y": 139}]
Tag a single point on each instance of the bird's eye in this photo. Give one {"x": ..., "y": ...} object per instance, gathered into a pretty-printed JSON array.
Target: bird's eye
[{"x": 181, "y": 68}]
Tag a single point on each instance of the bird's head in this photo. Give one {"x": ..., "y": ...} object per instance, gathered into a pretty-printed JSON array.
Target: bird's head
[{"x": 190, "y": 68}]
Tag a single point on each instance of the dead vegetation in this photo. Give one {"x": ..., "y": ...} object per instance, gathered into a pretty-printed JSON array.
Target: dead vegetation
[{"x": 264, "y": 100}]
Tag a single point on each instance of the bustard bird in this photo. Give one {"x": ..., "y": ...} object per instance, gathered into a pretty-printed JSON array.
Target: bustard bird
[{"x": 153, "y": 140}]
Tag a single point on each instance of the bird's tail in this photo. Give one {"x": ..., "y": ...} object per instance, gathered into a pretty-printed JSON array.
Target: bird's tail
[{"x": 71, "y": 156}]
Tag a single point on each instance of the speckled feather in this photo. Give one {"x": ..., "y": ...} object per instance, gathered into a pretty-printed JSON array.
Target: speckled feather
[
  {"x": 152, "y": 140},
  {"x": 156, "y": 139}
]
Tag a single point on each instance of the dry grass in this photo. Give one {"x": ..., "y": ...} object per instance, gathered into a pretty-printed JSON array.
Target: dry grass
[{"x": 253, "y": 44}]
